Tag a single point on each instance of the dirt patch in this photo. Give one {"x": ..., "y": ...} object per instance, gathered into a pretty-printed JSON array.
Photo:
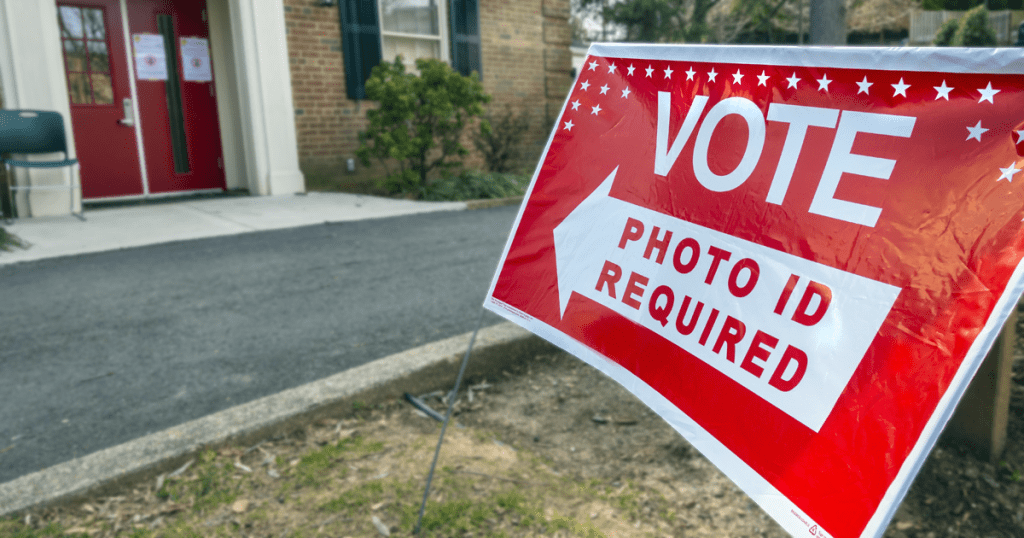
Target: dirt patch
[{"x": 552, "y": 449}]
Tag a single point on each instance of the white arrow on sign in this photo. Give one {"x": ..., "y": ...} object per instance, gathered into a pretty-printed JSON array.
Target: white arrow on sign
[{"x": 790, "y": 330}]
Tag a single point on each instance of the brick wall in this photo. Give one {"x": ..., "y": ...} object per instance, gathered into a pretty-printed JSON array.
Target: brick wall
[{"x": 526, "y": 63}]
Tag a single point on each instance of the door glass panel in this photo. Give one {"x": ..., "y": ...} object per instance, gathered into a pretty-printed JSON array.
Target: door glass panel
[
  {"x": 74, "y": 55},
  {"x": 78, "y": 87},
  {"x": 99, "y": 61},
  {"x": 86, "y": 55},
  {"x": 70, "y": 19},
  {"x": 172, "y": 89},
  {"x": 102, "y": 91},
  {"x": 93, "y": 19}
]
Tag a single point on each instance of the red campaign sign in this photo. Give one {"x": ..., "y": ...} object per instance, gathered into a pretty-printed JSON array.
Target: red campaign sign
[{"x": 797, "y": 256}]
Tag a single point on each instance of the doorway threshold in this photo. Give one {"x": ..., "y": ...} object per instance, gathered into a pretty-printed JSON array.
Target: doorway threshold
[{"x": 163, "y": 198}]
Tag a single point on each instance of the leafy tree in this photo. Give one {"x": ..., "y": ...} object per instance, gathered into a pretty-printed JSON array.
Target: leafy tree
[
  {"x": 419, "y": 122},
  {"x": 649, "y": 21},
  {"x": 974, "y": 30},
  {"x": 698, "y": 29},
  {"x": 759, "y": 20},
  {"x": 944, "y": 37},
  {"x": 653, "y": 21},
  {"x": 582, "y": 11}
]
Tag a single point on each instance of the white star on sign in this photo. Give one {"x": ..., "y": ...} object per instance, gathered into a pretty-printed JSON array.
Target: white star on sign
[
  {"x": 595, "y": 109},
  {"x": 762, "y": 79},
  {"x": 593, "y": 66},
  {"x": 649, "y": 70},
  {"x": 737, "y": 78},
  {"x": 793, "y": 80},
  {"x": 900, "y": 88},
  {"x": 625, "y": 93},
  {"x": 576, "y": 104},
  {"x": 1008, "y": 172},
  {"x": 823, "y": 83},
  {"x": 568, "y": 125},
  {"x": 943, "y": 91},
  {"x": 611, "y": 68},
  {"x": 690, "y": 73},
  {"x": 864, "y": 86},
  {"x": 987, "y": 93},
  {"x": 712, "y": 74},
  {"x": 976, "y": 131},
  {"x": 631, "y": 69},
  {"x": 604, "y": 89},
  {"x": 1020, "y": 136},
  {"x": 584, "y": 85},
  {"x": 668, "y": 72}
]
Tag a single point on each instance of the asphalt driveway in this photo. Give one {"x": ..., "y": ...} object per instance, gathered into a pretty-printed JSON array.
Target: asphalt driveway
[{"x": 99, "y": 349}]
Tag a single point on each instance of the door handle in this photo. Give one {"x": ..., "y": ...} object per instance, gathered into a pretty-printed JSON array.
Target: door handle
[{"x": 129, "y": 114}]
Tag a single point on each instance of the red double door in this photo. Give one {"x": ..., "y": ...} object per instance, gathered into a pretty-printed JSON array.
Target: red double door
[{"x": 162, "y": 135}]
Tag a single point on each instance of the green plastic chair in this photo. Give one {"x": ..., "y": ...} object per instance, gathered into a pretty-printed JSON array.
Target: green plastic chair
[{"x": 28, "y": 132}]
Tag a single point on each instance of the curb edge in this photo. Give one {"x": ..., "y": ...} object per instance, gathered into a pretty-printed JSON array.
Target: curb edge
[{"x": 419, "y": 369}]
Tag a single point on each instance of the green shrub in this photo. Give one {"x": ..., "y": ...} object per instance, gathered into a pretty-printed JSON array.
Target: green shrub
[
  {"x": 476, "y": 185},
  {"x": 9, "y": 241},
  {"x": 500, "y": 139},
  {"x": 419, "y": 121},
  {"x": 974, "y": 30},
  {"x": 944, "y": 37}
]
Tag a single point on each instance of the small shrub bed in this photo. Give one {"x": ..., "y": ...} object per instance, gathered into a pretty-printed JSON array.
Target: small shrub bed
[
  {"x": 9, "y": 241},
  {"x": 471, "y": 185}
]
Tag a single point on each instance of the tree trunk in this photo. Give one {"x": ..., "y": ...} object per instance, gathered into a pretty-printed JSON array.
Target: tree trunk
[
  {"x": 698, "y": 22},
  {"x": 828, "y": 22}
]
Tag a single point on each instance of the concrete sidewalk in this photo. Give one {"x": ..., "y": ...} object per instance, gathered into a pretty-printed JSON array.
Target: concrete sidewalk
[{"x": 135, "y": 226}]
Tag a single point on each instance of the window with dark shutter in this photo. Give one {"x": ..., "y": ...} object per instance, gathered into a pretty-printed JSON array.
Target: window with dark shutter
[
  {"x": 465, "y": 33},
  {"x": 360, "y": 38}
]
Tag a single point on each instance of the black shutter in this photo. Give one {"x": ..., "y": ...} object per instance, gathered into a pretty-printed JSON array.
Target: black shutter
[
  {"x": 465, "y": 30},
  {"x": 360, "y": 43}
]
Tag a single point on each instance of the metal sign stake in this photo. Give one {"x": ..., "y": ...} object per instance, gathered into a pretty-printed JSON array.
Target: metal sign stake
[{"x": 447, "y": 417}]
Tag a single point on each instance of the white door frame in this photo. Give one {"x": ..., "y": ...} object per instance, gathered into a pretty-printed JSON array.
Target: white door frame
[{"x": 133, "y": 90}]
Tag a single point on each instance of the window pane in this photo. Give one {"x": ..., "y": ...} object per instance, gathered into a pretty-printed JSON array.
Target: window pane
[
  {"x": 99, "y": 61},
  {"x": 74, "y": 55},
  {"x": 102, "y": 91},
  {"x": 410, "y": 16},
  {"x": 410, "y": 49},
  {"x": 78, "y": 88},
  {"x": 93, "y": 20},
  {"x": 70, "y": 19},
  {"x": 428, "y": 49}
]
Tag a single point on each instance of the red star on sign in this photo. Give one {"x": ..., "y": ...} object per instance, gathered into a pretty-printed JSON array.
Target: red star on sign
[{"x": 795, "y": 256}]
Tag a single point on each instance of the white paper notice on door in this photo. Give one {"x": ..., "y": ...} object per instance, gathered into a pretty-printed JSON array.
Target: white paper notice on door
[
  {"x": 195, "y": 59},
  {"x": 150, "y": 58}
]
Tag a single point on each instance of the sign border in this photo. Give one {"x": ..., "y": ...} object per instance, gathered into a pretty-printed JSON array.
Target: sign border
[{"x": 777, "y": 505}]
